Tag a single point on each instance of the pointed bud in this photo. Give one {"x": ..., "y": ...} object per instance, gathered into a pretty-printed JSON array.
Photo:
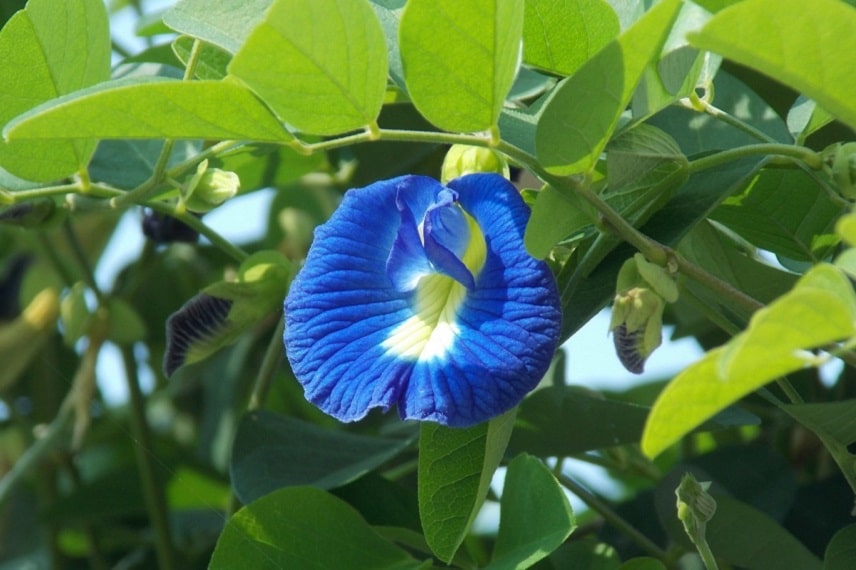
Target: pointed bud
[
  {"x": 210, "y": 187},
  {"x": 465, "y": 159}
]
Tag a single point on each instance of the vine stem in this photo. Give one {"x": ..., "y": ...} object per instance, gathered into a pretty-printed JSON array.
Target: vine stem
[
  {"x": 612, "y": 517},
  {"x": 270, "y": 362},
  {"x": 803, "y": 154},
  {"x": 152, "y": 490}
]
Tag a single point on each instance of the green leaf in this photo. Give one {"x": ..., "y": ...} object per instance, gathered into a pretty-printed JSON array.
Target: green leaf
[
  {"x": 329, "y": 73},
  {"x": 584, "y": 109},
  {"x": 841, "y": 550},
  {"x": 820, "y": 309},
  {"x": 459, "y": 59},
  {"x": 455, "y": 470},
  {"x": 805, "y": 118},
  {"x": 799, "y": 47},
  {"x": 567, "y": 420},
  {"x": 556, "y": 215},
  {"x": 783, "y": 211},
  {"x": 560, "y": 36},
  {"x": 586, "y": 288},
  {"x": 124, "y": 324},
  {"x": 152, "y": 108},
  {"x": 748, "y": 538},
  {"x": 273, "y": 451},
  {"x": 586, "y": 553},
  {"x": 211, "y": 62},
  {"x": 643, "y": 563},
  {"x": 535, "y": 516},
  {"x": 48, "y": 50},
  {"x": 712, "y": 250},
  {"x": 225, "y": 23},
  {"x": 304, "y": 527}
]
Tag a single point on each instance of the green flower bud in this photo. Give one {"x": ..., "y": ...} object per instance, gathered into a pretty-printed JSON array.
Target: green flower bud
[
  {"x": 210, "y": 187},
  {"x": 465, "y": 159},
  {"x": 695, "y": 509},
  {"x": 643, "y": 288}
]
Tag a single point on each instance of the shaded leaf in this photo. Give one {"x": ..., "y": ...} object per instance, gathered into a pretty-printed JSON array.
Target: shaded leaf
[
  {"x": 225, "y": 23},
  {"x": 304, "y": 527},
  {"x": 271, "y": 451},
  {"x": 784, "y": 211},
  {"x": 461, "y": 82},
  {"x": 455, "y": 470},
  {"x": 535, "y": 516},
  {"x": 317, "y": 85},
  {"x": 841, "y": 550}
]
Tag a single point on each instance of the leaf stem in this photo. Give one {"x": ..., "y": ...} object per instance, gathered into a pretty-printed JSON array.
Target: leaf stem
[
  {"x": 152, "y": 490},
  {"x": 803, "y": 154},
  {"x": 731, "y": 120},
  {"x": 270, "y": 363},
  {"x": 612, "y": 517}
]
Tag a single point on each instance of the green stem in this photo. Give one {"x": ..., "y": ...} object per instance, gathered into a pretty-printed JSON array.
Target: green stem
[
  {"x": 153, "y": 492},
  {"x": 612, "y": 517},
  {"x": 82, "y": 260},
  {"x": 57, "y": 434},
  {"x": 733, "y": 121},
  {"x": 803, "y": 154},
  {"x": 270, "y": 363}
]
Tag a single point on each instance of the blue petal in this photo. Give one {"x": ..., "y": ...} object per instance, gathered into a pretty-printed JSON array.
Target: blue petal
[
  {"x": 447, "y": 235},
  {"x": 408, "y": 261},
  {"x": 356, "y": 341}
]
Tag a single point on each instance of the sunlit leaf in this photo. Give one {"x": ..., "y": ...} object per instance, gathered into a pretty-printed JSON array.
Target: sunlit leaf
[
  {"x": 560, "y": 36},
  {"x": 40, "y": 64},
  {"x": 329, "y": 73},
  {"x": 796, "y": 46},
  {"x": 152, "y": 108},
  {"x": 584, "y": 109},
  {"x": 460, "y": 58},
  {"x": 820, "y": 309},
  {"x": 225, "y": 23}
]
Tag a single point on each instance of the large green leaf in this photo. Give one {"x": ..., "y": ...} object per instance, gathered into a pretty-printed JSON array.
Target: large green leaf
[
  {"x": 567, "y": 420},
  {"x": 152, "y": 108},
  {"x": 321, "y": 65},
  {"x": 783, "y": 211},
  {"x": 555, "y": 215},
  {"x": 584, "y": 109},
  {"x": 304, "y": 527},
  {"x": 48, "y": 50},
  {"x": 806, "y": 49},
  {"x": 272, "y": 451},
  {"x": 560, "y": 36},
  {"x": 820, "y": 309},
  {"x": 535, "y": 516},
  {"x": 455, "y": 469},
  {"x": 841, "y": 550},
  {"x": 225, "y": 23},
  {"x": 459, "y": 58}
]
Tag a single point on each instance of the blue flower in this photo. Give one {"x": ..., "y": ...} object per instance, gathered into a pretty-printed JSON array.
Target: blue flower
[{"x": 423, "y": 296}]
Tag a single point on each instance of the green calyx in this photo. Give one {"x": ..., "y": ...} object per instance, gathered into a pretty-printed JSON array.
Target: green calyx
[{"x": 643, "y": 289}]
